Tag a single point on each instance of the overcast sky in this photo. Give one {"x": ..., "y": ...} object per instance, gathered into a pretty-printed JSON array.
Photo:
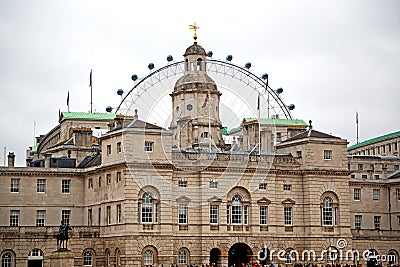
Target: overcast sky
[{"x": 331, "y": 57}]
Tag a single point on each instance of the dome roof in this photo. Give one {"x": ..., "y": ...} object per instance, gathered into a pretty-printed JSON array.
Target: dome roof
[
  {"x": 195, "y": 49},
  {"x": 194, "y": 78}
]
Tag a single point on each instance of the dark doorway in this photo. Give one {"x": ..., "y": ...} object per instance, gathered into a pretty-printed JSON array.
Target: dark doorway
[
  {"x": 35, "y": 263},
  {"x": 239, "y": 254},
  {"x": 215, "y": 257}
]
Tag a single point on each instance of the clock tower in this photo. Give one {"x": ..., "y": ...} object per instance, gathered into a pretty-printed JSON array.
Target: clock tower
[{"x": 195, "y": 105}]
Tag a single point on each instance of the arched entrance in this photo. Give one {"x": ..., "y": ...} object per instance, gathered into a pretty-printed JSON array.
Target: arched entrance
[
  {"x": 35, "y": 258},
  {"x": 239, "y": 254},
  {"x": 215, "y": 257}
]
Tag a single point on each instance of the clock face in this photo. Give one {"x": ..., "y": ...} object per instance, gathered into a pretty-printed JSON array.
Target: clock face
[{"x": 189, "y": 107}]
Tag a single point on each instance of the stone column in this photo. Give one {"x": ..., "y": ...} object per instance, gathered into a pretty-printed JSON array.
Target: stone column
[{"x": 62, "y": 258}]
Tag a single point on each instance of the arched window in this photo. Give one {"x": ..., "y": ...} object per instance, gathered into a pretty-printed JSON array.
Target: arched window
[
  {"x": 199, "y": 62},
  {"x": 236, "y": 209},
  {"x": 327, "y": 212},
  {"x": 182, "y": 257},
  {"x": 108, "y": 258},
  {"x": 149, "y": 209},
  {"x": 118, "y": 257},
  {"x": 88, "y": 258},
  {"x": 148, "y": 258},
  {"x": 6, "y": 260}
]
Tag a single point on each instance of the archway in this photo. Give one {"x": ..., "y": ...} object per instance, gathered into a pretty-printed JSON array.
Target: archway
[
  {"x": 215, "y": 257},
  {"x": 239, "y": 254},
  {"x": 35, "y": 258}
]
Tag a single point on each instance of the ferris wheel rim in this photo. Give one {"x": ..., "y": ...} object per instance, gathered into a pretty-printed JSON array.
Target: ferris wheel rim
[{"x": 245, "y": 71}]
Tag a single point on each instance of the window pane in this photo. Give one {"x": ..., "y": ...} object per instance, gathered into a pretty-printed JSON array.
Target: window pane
[
  {"x": 214, "y": 214},
  {"x": 40, "y": 217},
  {"x": 327, "y": 212},
  {"x": 88, "y": 259},
  {"x": 182, "y": 213},
  {"x": 288, "y": 216},
  {"x": 148, "y": 257},
  {"x": 263, "y": 215},
  {"x": 182, "y": 257},
  {"x": 14, "y": 217},
  {"x": 15, "y": 185}
]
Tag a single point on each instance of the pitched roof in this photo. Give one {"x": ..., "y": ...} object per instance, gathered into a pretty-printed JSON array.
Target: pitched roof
[
  {"x": 310, "y": 133},
  {"x": 277, "y": 122},
  {"x": 87, "y": 116},
  {"x": 375, "y": 139}
]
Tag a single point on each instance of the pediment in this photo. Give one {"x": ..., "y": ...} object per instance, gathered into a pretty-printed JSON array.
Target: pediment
[
  {"x": 288, "y": 201},
  {"x": 264, "y": 200},
  {"x": 214, "y": 199},
  {"x": 183, "y": 199}
]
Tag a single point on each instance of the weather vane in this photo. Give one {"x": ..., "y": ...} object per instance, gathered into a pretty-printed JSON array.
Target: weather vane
[{"x": 194, "y": 27}]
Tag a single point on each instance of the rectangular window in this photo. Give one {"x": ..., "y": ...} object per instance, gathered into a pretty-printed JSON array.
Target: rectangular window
[
  {"x": 119, "y": 213},
  {"x": 352, "y": 176},
  {"x": 287, "y": 187},
  {"x": 108, "y": 215},
  {"x": 357, "y": 194},
  {"x": 108, "y": 177},
  {"x": 40, "y": 217},
  {"x": 119, "y": 177},
  {"x": 182, "y": 214},
  {"x": 14, "y": 218},
  {"x": 119, "y": 147},
  {"x": 108, "y": 149},
  {"x": 99, "y": 181},
  {"x": 213, "y": 185},
  {"x": 99, "y": 217},
  {"x": 14, "y": 185},
  {"x": 156, "y": 213},
  {"x": 228, "y": 214},
  {"x": 377, "y": 222},
  {"x": 262, "y": 186},
  {"x": 360, "y": 167},
  {"x": 246, "y": 214},
  {"x": 263, "y": 215},
  {"x": 375, "y": 194},
  {"x": 236, "y": 214},
  {"x": 182, "y": 183},
  {"x": 148, "y": 146},
  {"x": 288, "y": 216},
  {"x": 214, "y": 214},
  {"x": 364, "y": 177},
  {"x": 299, "y": 153},
  {"x": 398, "y": 222},
  {"x": 41, "y": 185},
  {"x": 66, "y": 186},
  {"x": 376, "y": 176},
  {"x": 358, "y": 221},
  {"x": 66, "y": 216},
  {"x": 327, "y": 154},
  {"x": 396, "y": 167},
  {"x": 90, "y": 217},
  {"x": 395, "y": 146},
  {"x": 371, "y": 167},
  {"x": 90, "y": 183}
]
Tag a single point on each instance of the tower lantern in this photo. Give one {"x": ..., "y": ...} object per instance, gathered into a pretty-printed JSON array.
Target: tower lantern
[{"x": 195, "y": 105}]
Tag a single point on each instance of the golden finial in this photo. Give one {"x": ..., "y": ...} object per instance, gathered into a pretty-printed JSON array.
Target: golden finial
[{"x": 194, "y": 27}]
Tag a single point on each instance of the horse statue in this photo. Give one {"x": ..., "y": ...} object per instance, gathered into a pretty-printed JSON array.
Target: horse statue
[{"x": 63, "y": 236}]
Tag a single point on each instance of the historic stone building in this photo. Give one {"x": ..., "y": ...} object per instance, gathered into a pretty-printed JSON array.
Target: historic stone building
[{"x": 136, "y": 194}]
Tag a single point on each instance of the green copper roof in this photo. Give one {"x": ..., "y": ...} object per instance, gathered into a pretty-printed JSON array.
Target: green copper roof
[
  {"x": 376, "y": 139},
  {"x": 278, "y": 122},
  {"x": 88, "y": 116}
]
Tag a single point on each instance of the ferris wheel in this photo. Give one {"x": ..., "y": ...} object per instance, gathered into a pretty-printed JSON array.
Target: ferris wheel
[{"x": 244, "y": 94}]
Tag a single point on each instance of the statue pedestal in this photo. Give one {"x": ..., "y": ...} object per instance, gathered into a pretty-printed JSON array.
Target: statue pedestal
[{"x": 64, "y": 258}]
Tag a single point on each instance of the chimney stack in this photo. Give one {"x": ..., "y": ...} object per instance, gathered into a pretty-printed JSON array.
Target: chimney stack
[{"x": 11, "y": 159}]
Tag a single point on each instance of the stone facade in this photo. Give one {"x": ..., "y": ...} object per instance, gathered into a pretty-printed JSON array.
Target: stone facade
[{"x": 145, "y": 196}]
